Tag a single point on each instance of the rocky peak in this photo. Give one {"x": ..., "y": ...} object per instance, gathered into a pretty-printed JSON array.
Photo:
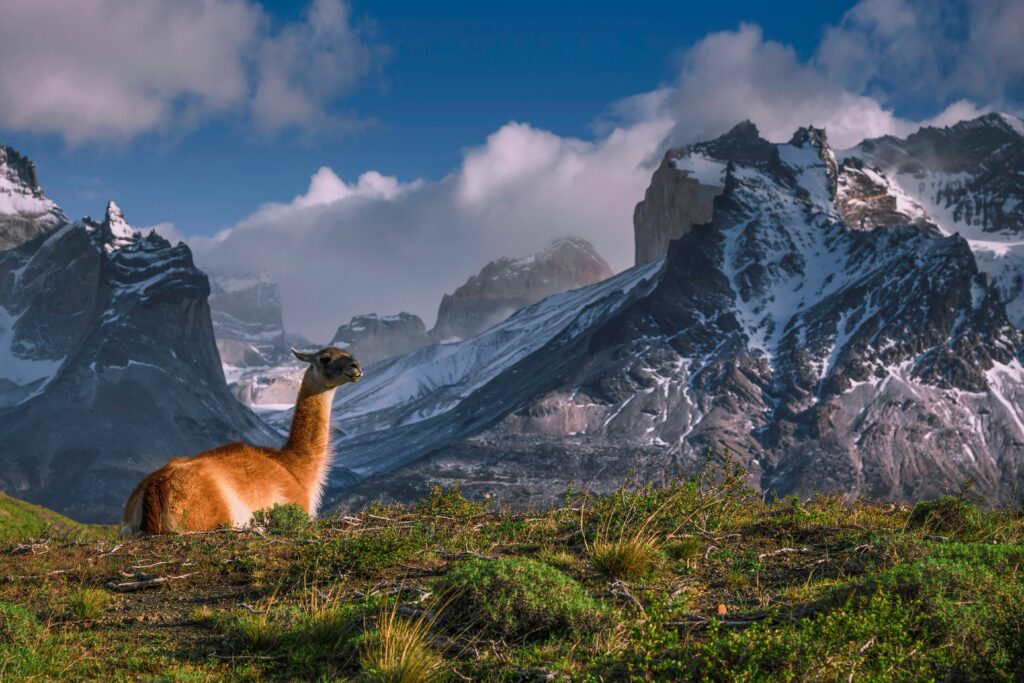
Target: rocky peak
[
  {"x": 19, "y": 169},
  {"x": 505, "y": 285},
  {"x": 815, "y": 139},
  {"x": 372, "y": 338},
  {"x": 743, "y": 144},
  {"x": 248, "y": 319},
  {"x": 114, "y": 231},
  {"x": 25, "y": 212}
]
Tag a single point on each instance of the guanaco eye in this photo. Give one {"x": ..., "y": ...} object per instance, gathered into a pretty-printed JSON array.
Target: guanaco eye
[{"x": 325, "y": 360}]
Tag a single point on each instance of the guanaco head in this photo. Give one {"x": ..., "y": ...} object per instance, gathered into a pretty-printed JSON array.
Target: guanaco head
[{"x": 330, "y": 367}]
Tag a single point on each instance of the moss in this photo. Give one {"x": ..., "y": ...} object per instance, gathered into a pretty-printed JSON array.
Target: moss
[{"x": 516, "y": 599}]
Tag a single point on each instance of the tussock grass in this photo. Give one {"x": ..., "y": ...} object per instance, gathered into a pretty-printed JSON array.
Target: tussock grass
[
  {"x": 397, "y": 650},
  {"x": 88, "y": 603}
]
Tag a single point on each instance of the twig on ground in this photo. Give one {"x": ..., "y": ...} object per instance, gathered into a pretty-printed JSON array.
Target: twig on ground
[
  {"x": 619, "y": 589},
  {"x": 112, "y": 550},
  {"x": 127, "y": 586},
  {"x": 30, "y": 577},
  {"x": 783, "y": 551}
]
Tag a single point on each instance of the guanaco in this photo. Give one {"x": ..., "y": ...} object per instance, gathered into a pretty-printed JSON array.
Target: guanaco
[{"x": 225, "y": 485}]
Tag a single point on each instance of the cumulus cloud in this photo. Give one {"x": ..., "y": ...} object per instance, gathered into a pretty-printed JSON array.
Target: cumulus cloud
[
  {"x": 922, "y": 51},
  {"x": 113, "y": 69},
  {"x": 376, "y": 244},
  {"x": 380, "y": 245},
  {"x": 309, "y": 64}
]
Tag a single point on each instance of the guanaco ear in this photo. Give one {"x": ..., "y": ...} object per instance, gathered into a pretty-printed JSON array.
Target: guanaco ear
[{"x": 304, "y": 357}]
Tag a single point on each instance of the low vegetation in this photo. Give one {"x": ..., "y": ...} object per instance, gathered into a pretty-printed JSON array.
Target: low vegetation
[
  {"x": 696, "y": 580},
  {"x": 19, "y": 520}
]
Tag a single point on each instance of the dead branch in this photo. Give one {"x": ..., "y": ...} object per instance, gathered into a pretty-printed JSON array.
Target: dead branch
[
  {"x": 783, "y": 551},
  {"x": 619, "y": 589},
  {"x": 127, "y": 586},
  {"x": 31, "y": 577}
]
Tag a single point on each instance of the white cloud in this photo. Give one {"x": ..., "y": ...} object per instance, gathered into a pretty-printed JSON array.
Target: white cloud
[
  {"x": 380, "y": 245},
  {"x": 927, "y": 51},
  {"x": 113, "y": 69},
  {"x": 308, "y": 65}
]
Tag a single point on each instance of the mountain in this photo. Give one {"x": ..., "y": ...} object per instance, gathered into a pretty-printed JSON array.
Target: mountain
[
  {"x": 505, "y": 285},
  {"x": 25, "y": 212},
  {"x": 372, "y": 338},
  {"x": 823, "y": 325},
  {"x": 968, "y": 179},
  {"x": 247, "y": 318},
  {"x": 108, "y": 365}
]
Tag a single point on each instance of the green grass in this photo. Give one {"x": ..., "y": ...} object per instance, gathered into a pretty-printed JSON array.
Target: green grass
[
  {"x": 738, "y": 590},
  {"x": 20, "y": 520}
]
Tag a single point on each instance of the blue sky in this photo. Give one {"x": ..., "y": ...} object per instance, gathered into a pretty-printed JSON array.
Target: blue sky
[
  {"x": 455, "y": 72},
  {"x": 386, "y": 151}
]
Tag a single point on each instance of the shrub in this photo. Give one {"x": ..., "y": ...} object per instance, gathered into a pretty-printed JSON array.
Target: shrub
[
  {"x": 515, "y": 599},
  {"x": 364, "y": 554},
  {"x": 948, "y": 515},
  {"x": 282, "y": 520},
  {"x": 449, "y": 503}
]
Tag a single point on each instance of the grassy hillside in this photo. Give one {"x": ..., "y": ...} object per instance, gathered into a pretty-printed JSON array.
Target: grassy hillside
[
  {"x": 20, "y": 520},
  {"x": 699, "y": 580}
]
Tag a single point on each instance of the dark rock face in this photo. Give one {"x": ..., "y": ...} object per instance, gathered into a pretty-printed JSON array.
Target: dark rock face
[
  {"x": 966, "y": 179},
  {"x": 506, "y": 285},
  {"x": 247, "y": 319},
  {"x": 110, "y": 367},
  {"x": 823, "y": 325},
  {"x": 372, "y": 338},
  {"x": 25, "y": 212}
]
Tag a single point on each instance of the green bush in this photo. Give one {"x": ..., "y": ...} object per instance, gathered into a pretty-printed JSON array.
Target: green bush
[
  {"x": 449, "y": 503},
  {"x": 516, "y": 599},
  {"x": 364, "y": 553},
  {"x": 949, "y": 515},
  {"x": 282, "y": 520}
]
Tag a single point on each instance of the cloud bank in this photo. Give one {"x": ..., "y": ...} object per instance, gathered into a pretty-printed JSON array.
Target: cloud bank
[{"x": 110, "y": 70}]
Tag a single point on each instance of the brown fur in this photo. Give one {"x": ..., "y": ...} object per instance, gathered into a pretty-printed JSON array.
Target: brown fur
[{"x": 225, "y": 485}]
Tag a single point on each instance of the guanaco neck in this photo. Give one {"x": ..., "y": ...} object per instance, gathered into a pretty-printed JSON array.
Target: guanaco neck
[{"x": 307, "y": 452}]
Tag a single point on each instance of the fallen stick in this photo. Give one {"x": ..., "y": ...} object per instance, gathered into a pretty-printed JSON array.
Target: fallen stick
[
  {"x": 127, "y": 586},
  {"x": 783, "y": 551},
  {"x": 29, "y": 577}
]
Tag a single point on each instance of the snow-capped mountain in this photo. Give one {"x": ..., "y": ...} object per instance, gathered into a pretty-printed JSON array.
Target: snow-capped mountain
[
  {"x": 505, "y": 285},
  {"x": 25, "y": 212},
  {"x": 967, "y": 179},
  {"x": 108, "y": 365},
  {"x": 823, "y": 324}
]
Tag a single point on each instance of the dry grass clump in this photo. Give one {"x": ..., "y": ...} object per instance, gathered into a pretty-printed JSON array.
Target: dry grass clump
[
  {"x": 398, "y": 650},
  {"x": 88, "y": 603}
]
